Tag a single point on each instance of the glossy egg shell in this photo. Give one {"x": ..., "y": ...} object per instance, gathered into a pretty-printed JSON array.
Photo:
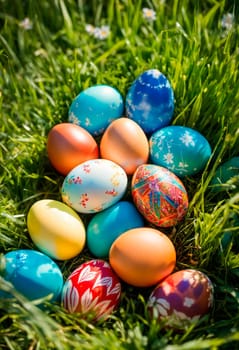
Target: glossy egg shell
[
  {"x": 56, "y": 229},
  {"x": 96, "y": 107},
  {"x": 125, "y": 143},
  {"x": 142, "y": 256},
  {"x": 33, "y": 274},
  {"x": 107, "y": 225},
  {"x": 159, "y": 195},
  {"x": 182, "y": 298},
  {"x": 150, "y": 101},
  {"x": 226, "y": 177},
  {"x": 182, "y": 150},
  {"x": 93, "y": 288},
  {"x": 94, "y": 186},
  {"x": 68, "y": 145}
]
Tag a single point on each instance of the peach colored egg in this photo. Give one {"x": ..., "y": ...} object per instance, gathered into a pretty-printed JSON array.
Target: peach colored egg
[
  {"x": 125, "y": 143},
  {"x": 69, "y": 145},
  {"x": 142, "y": 256}
]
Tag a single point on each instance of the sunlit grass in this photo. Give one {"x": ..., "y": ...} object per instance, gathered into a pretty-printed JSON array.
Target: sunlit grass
[{"x": 42, "y": 69}]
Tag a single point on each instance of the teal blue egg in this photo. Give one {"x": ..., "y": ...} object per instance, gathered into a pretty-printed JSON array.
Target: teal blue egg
[
  {"x": 226, "y": 177},
  {"x": 33, "y": 274},
  {"x": 95, "y": 108},
  {"x": 107, "y": 225},
  {"x": 182, "y": 150}
]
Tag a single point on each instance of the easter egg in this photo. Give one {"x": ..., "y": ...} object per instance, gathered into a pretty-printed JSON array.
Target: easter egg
[
  {"x": 142, "y": 256},
  {"x": 180, "y": 149},
  {"x": 94, "y": 186},
  {"x": 226, "y": 177},
  {"x": 182, "y": 298},
  {"x": 150, "y": 101},
  {"x": 107, "y": 225},
  {"x": 159, "y": 195},
  {"x": 96, "y": 107},
  {"x": 33, "y": 274},
  {"x": 125, "y": 143},
  {"x": 93, "y": 288},
  {"x": 56, "y": 229},
  {"x": 68, "y": 145}
]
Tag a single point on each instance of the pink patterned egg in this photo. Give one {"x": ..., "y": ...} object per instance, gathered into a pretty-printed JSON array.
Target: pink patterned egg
[
  {"x": 159, "y": 195},
  {"x": 182, "y": 298},
  {"x": 93, "y": 288}
]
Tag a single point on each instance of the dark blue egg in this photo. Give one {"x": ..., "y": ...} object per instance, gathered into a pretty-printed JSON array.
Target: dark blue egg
[{"x": 150, "y": 101}]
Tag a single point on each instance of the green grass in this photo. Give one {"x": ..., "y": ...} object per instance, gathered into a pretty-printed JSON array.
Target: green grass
[{"x": 42, "y": 70}]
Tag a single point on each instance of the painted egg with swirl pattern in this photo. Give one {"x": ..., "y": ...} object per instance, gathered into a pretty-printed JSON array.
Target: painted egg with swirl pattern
[{"x": 92, "y": 289}]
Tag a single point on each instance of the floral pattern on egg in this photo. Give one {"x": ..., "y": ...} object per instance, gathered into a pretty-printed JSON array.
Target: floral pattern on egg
[
  {"x": 92, "y": 288},
  {"x": 180, "y": 149},
  {"x": 182, "y": 298},
  {"x": 94, "y": 186}
]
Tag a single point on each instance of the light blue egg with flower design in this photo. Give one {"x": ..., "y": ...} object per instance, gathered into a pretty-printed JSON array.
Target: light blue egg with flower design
[
  {"x": 33, "y": 274},
  {"x": 182, "y": 150},
  {"x": 150, "y": 101},
  {"x": 95, "y": 108}
]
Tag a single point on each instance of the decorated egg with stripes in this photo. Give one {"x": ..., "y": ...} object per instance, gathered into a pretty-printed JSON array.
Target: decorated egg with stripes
[
  {"x": 150, "y": 101},
  {"x": 94, "y": 185},
  {"x": 96, "y": 107},
  {"x": 182, "y": 298},
  {"x": 92, "y": 289},
  {"x": 159, "y": 195},
  {"x": 180, "y": 149}
]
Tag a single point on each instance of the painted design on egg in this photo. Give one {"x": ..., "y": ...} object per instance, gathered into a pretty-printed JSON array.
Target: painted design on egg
[
  {"x": 92, "y": 288},
  {"x": 182, "y": 298},
  {"x": 73, "y": 119},
  {"x": 180, "y": 149},
  {"x": 84, "y": 199},
  {"x": 112, "y": 192},
  {"x": 159, "y": 195},
  {"x": 150, "y": 101}
]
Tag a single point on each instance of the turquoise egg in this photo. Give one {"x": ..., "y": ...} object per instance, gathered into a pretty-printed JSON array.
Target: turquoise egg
[
  {"x": 33, "y": 274},
  {"x": 107, "y": 225},
  {"x": 150, "y": 101},
  {"x": 182, "y": 150},
  {"x": 95, "y": 108},
  {"x": 226, "y": 177}
]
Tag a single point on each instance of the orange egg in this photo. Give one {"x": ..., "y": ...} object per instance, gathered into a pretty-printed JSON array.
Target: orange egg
[
  {"x": 125, "y": 143},
  {"x": 69, "y": 145},
  {"x": 142, "y": 256}
]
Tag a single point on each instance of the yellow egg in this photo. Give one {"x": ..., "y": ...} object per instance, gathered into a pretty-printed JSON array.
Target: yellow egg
[{"x": 56, "y": 229}]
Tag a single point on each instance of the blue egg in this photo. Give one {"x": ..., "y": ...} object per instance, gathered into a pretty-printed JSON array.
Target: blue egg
[
  {"x": 150, "y": 101},
  {"x": 182, "y": 150},
  {"x": 95, "y": 108},
  {"x": 33, "y": 274},
  {"x": 226, "y": 177},
  {"x": 107, "y": 225}
]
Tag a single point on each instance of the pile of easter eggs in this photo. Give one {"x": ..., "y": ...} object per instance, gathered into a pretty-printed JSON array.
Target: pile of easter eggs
[{"x": 139, "y": 153}]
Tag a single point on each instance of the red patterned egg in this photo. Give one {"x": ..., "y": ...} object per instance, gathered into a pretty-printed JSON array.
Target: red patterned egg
[
  {"x": 92, "y": 288},
  {"x": 159, "y": 195},
  {"x": 182, "y": 298}
]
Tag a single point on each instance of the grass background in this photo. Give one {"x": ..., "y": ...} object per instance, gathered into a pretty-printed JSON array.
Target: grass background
[{"x": 42, "y": 70}]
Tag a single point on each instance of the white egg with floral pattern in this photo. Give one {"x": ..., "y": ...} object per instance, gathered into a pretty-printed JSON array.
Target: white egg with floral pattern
[{"x": 181, "y": 299}]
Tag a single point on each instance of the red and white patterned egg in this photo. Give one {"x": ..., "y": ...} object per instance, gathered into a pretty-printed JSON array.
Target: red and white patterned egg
[
  {"x": 182, "y": 298},
  {"x": 93, "y": 288}
]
